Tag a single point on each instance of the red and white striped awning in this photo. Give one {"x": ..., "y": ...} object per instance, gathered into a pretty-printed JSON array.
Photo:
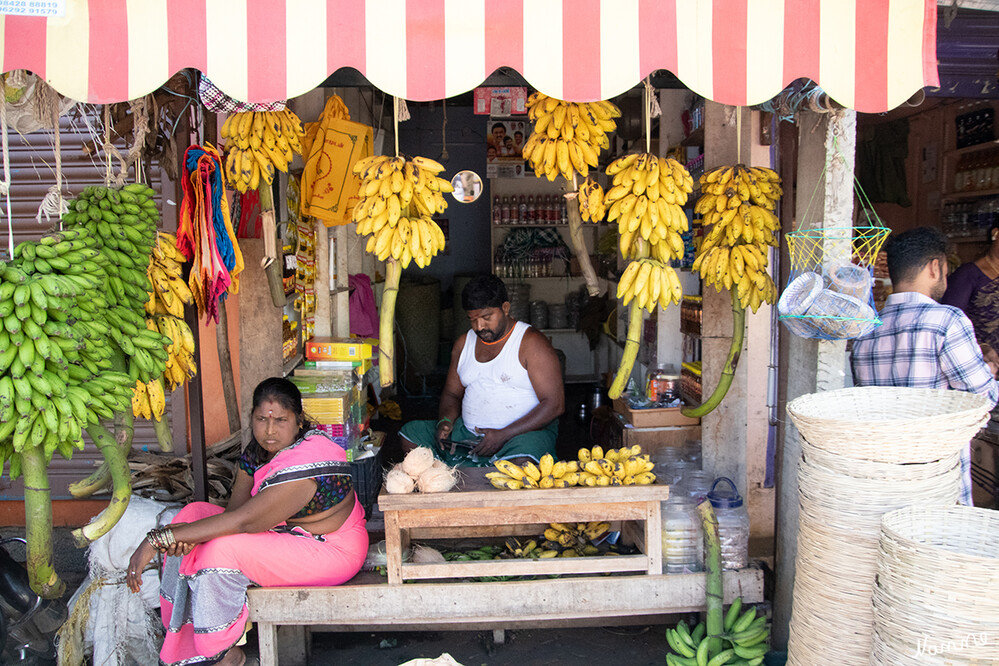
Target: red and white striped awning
[{"x": 870, "y": 55}]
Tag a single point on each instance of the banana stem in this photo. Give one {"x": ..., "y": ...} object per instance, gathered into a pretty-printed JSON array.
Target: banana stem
[
  {"x": 121, "y": 488},
  {"x": 713, "y": 579},
  {"x": 38, "y": 523},
  {"x": 579, "y": 243},
  {"x": 163, "y": 435},
  {"x": 728, "y": 371},
  {"x": 386, "y": 319},
  {"x": 630, "y": 352},
  {"x": 124, "y": 430}
]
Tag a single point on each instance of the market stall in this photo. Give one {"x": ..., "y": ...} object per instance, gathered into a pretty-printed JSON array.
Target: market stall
[{"x": 723, "y": 51}]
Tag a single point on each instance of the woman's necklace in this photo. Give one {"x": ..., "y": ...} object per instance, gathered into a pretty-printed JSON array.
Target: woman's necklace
[
  {"x": 992, "y": 264},
  {"x": 496, "y": 342}
]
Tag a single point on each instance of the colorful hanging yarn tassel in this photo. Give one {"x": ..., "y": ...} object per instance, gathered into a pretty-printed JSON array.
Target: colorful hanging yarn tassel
[{"x": 205, "y": 235}]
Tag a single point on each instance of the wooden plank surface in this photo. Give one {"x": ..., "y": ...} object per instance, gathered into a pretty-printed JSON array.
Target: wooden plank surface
[
  {"x": 519, "y": 515},
  {"x": 526, "y": 567},
  {"x": 473, "y": 490},
  {"x": 452, "y": 605}
]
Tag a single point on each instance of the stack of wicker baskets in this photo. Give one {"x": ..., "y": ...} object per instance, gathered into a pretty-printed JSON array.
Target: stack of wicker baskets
[
  {"x": 937, "y": 595},
  {"x": 865, "y": 452}
]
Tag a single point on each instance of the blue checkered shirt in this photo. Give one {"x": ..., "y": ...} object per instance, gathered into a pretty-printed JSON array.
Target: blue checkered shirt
[{"x": 924, "y": 344}]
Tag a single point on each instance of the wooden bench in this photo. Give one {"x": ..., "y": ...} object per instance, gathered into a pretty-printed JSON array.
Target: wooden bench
[{"x": 583, "y": 594}]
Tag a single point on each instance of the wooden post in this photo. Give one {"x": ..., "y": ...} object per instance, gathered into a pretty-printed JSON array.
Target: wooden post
[
  {"x": 195, "y": 397},
  {"x": 225, "y": 368}
]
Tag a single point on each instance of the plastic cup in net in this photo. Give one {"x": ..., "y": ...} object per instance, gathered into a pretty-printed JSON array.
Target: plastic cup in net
[
  {"x": 798, "y": 296},
  {"x": 851, "y": 280},
  {"x": 838, "y": 316}
]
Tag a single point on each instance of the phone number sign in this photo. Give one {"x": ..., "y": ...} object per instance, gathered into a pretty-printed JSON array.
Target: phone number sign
[{"x": 33, "y": 7}]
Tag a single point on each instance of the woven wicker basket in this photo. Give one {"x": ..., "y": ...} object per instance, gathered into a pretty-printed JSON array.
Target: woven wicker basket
[
  {"x": 890, "y": 424},
  {"x": 937, "y": 593},
  {"x": 842, "y": 501}
]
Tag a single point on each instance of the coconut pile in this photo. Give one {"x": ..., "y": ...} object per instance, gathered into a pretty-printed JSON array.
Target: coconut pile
[{"x": 421, "y": 471}]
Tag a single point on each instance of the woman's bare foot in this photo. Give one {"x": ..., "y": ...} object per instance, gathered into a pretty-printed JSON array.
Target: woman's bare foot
[{"x": 234, "y": 657}]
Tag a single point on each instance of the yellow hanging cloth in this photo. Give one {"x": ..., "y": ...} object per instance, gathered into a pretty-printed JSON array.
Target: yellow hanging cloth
[{"x": 332, "y": 145}]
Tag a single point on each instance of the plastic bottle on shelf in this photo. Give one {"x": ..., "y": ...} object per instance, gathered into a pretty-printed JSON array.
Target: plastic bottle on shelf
[
  {"x": 506, "y": 210},
  {"x": 733, "y": 523},
  {"x": 532, "y": 212},
  {"x": 522, "y": 210},
  {"x": 682, "y": 536},
  {"x": 497, "y": 210}
]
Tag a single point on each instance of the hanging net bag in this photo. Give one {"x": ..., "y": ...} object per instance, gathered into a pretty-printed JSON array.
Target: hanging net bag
[{"x": 828, "y": 294}]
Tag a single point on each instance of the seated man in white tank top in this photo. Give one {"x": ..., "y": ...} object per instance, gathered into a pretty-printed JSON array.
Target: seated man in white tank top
[{"x": 503, "y": 394}]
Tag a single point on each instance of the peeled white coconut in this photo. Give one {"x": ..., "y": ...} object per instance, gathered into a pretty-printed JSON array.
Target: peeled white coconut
[
  {"x": 398, "y": 482},
  {"x": 418, "y": 461},
  {"x": 436, "y": 479}
]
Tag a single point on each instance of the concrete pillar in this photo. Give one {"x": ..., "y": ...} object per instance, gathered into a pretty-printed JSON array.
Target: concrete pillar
[
  {"x": 812, "y": 365},
  {"x": 734, "y": 435}
]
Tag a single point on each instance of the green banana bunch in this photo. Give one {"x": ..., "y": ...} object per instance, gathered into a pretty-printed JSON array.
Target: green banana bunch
[
  {"x": 744, "y": 642},
  {"x": 123, "y": 221},
  {"x": 56, "y": 374}
]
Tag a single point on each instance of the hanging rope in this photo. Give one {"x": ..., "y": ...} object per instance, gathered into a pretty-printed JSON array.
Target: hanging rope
[
  {"x": 738, "y": 135},
  {"x": 140, "y": 127},
  {"x": 5, "y": 183},
  {"x": 52, "y": 204},
  {"x": 652, "y": 110}
]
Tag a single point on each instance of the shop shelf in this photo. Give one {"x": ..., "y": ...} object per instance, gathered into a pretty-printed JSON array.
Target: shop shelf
[
  {"x": 974, "y": 194},
  {"x": 291, "y": 364}
]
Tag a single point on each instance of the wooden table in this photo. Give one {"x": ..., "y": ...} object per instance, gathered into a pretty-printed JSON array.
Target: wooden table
[{"x": 476, "y": 509}]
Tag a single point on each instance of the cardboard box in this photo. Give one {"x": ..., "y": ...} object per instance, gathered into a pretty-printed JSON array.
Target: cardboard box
[
  {"x": 340, "y": 349},
  {"x": 653, "y": 418}
]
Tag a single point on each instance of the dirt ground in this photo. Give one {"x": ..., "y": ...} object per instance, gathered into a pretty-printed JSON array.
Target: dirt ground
[{"x": 632, "y": 645}]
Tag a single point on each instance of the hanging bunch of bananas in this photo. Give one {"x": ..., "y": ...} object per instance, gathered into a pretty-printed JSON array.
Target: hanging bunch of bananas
[
  {"x": 56, "y": 374},
  {"x": 546, "y": 474},
  {"x": 170, "y": 292},
  {"x": 744, "y": 641},
  {"x": 650, "y": 283},
  {"x": 123, "y": 222},
  {"x": 626, "y": 466},
  {"x": 567, "y": 136},
  {"x": 737, "y": 206},
  {"x": 165, "y": 309},
  {"x": 149, "y": 400},
  {"x": 591, "y": 201},
  {"x": 646, "y": 197},
  {"x": 60, "y": 374},
  {"x": 180, "y": 364},
  {"x": 258, "y": 142},
  {"x": 398, "y": 200}
]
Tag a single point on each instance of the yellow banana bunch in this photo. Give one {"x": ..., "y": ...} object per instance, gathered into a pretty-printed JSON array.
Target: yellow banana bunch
[
  {"x": 646, "y": 197},
  {"x": 567, "y": 136},
  {"x": 591, "y": 201},
  {"x": 148, "y": 400},
  {"x": 572, "y": 539},
  {"x": 617, "y": 467},
  {"x": 548, "y": 473},
  {"x": 170, "y": 292},
  {"x": 258, "y": 142},
  {"x": 398, "y": 200},
  {"x": 737, "y": 207},
  {"x": 651, "y": 283},
  {"x": 180, "y": 363}
]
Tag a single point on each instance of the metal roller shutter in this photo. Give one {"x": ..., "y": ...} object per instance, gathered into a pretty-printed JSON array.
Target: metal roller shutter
[{"x": 32, "y": 165}]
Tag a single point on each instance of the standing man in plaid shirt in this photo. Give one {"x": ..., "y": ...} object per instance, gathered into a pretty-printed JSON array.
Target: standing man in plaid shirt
[{"x": 921, "y": 343}]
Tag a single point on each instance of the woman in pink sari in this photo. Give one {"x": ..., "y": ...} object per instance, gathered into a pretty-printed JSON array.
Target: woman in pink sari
[{"x": 293, "y": 519}]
